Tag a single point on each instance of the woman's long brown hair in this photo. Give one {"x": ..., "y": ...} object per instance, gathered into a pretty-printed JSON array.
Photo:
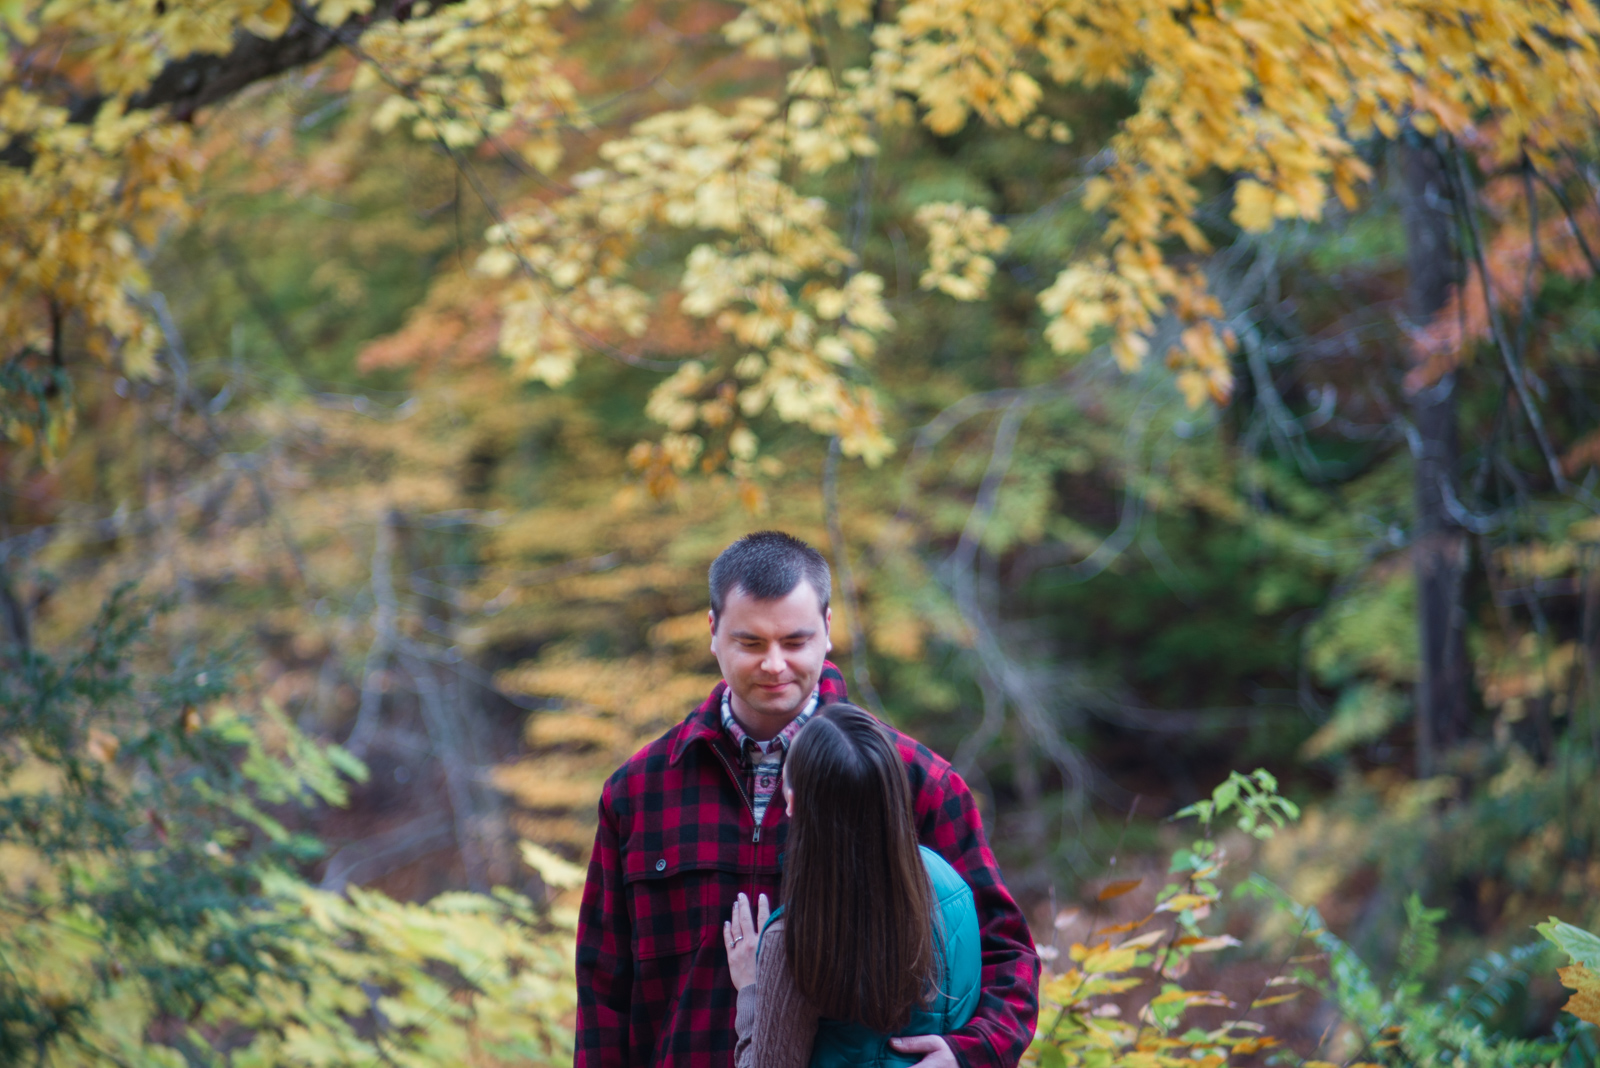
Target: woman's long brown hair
[{"x": 859, "y": 909}]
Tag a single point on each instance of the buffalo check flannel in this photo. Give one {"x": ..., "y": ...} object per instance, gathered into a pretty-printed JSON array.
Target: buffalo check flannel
[{"x": 677, "y": 843}]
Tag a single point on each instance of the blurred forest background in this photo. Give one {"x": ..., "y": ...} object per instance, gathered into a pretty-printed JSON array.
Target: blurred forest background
[{"x": 380, "y": 379}]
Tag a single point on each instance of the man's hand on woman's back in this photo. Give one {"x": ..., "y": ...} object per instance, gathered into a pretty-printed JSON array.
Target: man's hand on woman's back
[{"x": 934, "y": 1049}]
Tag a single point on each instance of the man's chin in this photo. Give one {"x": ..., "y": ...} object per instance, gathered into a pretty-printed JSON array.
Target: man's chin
[{"x": 781, "y": 704}]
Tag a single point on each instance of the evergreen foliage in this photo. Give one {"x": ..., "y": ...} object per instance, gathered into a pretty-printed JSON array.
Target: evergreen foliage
[{"x": 1467, "y": 1023}]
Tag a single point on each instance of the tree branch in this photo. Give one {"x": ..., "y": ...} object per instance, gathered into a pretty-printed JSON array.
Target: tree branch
[
  {"x": 847, "y": 581},
  {"x": 202, "y": 79},
  {"x": 1502, "y": 341}
]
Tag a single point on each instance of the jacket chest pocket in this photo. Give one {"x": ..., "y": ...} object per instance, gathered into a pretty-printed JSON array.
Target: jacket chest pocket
[{"x": 676, "y": 906}]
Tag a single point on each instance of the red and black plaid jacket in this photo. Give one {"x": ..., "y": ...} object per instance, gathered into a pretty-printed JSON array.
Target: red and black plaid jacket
[{"x": 677, "y": 843}]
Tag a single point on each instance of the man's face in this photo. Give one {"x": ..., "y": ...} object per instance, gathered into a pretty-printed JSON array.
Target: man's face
[{"x": 771, "y": 654}]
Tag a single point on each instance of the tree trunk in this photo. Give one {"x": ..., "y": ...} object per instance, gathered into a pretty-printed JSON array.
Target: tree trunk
[{"x": 1438, "y": 544}]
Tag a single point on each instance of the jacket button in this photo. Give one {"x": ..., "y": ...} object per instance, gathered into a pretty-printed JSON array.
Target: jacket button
[{"x": 661, "y": 865}]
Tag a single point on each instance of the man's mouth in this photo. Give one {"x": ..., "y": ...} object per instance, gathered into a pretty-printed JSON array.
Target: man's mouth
[{"x": 772, "y": 687}]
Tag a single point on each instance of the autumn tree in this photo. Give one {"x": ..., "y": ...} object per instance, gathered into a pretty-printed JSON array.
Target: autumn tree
[
  {"x": 1276, "y": 101},
  {"x": 1150, "y": 372}
]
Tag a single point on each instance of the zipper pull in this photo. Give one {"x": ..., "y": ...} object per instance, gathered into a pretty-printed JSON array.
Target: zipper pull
[{"x": 757, "y": 836}]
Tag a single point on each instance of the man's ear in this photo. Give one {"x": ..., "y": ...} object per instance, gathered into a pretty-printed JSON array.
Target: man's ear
[
  {"x": 827, "y": 627},
  {"x": 711, "y": 617}
]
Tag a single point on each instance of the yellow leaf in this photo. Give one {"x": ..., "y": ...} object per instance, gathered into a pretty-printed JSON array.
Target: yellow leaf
[
  {"x": 1144, "y": 941},
  {"x": 1103, "y": 959},
  {"x": 1191, "y": 997},
  {"x": 272, "y": 20},
  {"x": 15, "y": 16},
  {"x": 1183, "y": 902},
  {"x": 335, "y": 12},
  {"x": 1075, "y": 987},
  {"x": 1253, "y": 206}
]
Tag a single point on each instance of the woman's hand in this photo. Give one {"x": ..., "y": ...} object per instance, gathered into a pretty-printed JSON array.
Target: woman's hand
[{"x": 739, "y": 936}]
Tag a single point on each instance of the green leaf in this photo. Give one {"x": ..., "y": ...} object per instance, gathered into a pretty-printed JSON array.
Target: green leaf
[
  {"x": 1050, "y": 1056},
  {"x": 1419, "y": 946},
  {"x": 555, "y": 870},
  {"x": 1575, "y": 942},
  {"x": 347, "y": 762}
]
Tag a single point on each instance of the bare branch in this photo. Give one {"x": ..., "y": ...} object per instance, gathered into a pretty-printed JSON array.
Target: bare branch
[
  {"x": 367, "y": 859},
  {"x": 1572, "y": 219},
  {"x": 14, "y": 613},
  {"x": 847, "y": 582},
  {"x": 1497, "y": 327},
  {"x": 1003, "y": 678},
  {"x": 183, "y": 393},
  {"x": 385, "y": 617},
  {"x": 458, "y": 776},
  {"x": 1005, "y": 440}
]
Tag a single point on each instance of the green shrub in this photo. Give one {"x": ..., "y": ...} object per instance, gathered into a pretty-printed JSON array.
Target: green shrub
[{"x": 150, "y": 910}]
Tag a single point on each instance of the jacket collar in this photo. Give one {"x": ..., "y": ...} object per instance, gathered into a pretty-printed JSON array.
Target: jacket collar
[{"x": 705, "y": 722}]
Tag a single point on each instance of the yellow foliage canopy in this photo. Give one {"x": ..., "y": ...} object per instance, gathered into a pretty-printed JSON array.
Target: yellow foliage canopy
[{"x": 1276, "y": 94}]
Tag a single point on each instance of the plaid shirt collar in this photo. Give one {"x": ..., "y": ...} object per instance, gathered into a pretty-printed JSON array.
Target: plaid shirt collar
[
  {"x": 705, "y": 723},
  {"x": 742, "y": 740}
]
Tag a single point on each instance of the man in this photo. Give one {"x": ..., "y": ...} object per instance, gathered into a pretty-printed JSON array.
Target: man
[{"x": 688, "y": 823}]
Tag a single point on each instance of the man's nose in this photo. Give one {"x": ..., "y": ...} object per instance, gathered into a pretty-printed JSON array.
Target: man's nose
[{"x": 772, "y": 660}]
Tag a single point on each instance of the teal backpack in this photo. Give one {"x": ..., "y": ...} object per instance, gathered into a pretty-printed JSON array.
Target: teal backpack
[{"x": 842, "y": 1044}]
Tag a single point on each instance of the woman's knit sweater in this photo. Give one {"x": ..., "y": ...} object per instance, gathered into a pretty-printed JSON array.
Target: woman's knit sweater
[{"x": 773, "y": 1009}]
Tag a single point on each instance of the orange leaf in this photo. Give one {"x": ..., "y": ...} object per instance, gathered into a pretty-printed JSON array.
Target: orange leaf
[
  {"x": 1585, "y": 1001},
  {"x": 1131, "y": 925},
  {"x": 1207, "y": 945},
  {"x": 1117, "y": 889},
  {"x": 1276, "y": 999},
  {"x": 1255, "y": 1044}
]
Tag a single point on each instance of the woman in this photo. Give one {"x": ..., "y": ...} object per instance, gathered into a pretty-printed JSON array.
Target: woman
[{"x": 878, "y": 937}]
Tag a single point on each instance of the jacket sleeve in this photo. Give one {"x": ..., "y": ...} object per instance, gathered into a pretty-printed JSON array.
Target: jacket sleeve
[
  {"x": 604, "y": 956},
  {"x": 1008, "y": 1008}
]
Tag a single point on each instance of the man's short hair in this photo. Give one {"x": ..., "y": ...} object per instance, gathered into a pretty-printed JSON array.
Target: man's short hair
[{"x": 768, "y": 565}]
